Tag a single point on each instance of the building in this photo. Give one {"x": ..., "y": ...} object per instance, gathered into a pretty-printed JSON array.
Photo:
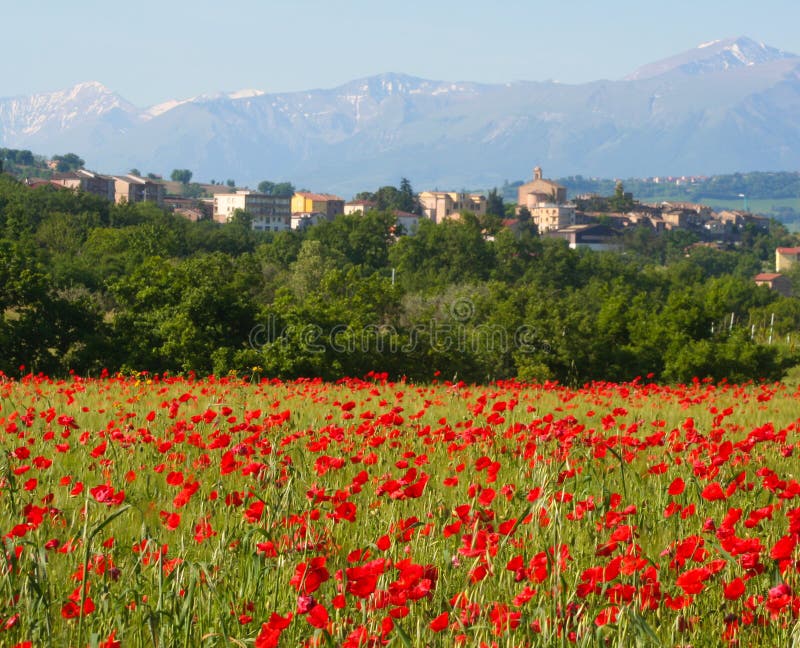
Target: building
[
  {"x": 540, "y": 190},
  {"x": 355, "y": 206},
  {"x": 551, "y": 216},
  {"x": 304, "y": 202},
  {"x": 407, "y": 223},
  {"x": 441, "y": 205},
  {"x": 193, "y": 209},
  {"x": 302, "y": 220},
  {"x": 87, "y": 181},
  {"x": 600, "y": 238},
  {"x": 775, "y": 281},
  {"x": 786, "y": 257},
  {"x": 269, "y": 213},
  {"x": 133, "y": 189}
]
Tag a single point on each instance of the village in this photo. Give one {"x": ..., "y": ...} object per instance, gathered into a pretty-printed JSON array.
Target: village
[{"x": 585, "y": 221}]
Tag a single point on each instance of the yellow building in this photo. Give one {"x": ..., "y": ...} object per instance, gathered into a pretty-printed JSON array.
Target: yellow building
[
  {"x": 304, "y": 202},
  {"x": 786, "y": 257}
]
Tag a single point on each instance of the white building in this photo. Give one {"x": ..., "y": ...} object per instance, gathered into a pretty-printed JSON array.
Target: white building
[
  {"x": 269, "y": 213},
  {"x": 550, "y": 216}
]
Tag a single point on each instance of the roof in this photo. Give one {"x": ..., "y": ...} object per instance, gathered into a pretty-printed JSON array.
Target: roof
[
  {"x": 788, "y": 250},
  {"x": 545, "y": 181},
  {"x": 132, "y": 179},
  {"x": 317, "y": 196},
  {"x": 767, "y": 276}
]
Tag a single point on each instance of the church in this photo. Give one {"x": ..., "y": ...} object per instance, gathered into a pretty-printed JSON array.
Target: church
[{"x": 540, "y": 190}]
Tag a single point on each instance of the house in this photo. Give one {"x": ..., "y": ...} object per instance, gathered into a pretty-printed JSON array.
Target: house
[
  {"x": 304, "y": 202},
  {"x": 192, "y": 209},
  {"x": 600, "y": 238},
  {"x": 407, "y": 223},
  {"x": 269, "y": 213},
  {"x": 786, "y": 257},
  {"x": 133, "y": 189},
  {"x": 732, "y": 218},
  {"x": 441, "y": 205},
  {"x": 355, "y": 206},
  {"x": 302, "y": 220},
  {"x": 540, "y": 190},
  {"x": 88, "y": 182},
  {"x": 775, "y": 281}
]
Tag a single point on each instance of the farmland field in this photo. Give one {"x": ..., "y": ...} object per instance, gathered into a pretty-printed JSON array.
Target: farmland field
[{"x": 157, "y": 511}]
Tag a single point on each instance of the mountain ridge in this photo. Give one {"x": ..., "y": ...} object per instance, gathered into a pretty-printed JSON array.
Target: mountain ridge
[{"x": 728, "y": 105}]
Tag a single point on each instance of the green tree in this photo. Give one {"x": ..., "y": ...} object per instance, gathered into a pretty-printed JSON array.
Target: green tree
[
  {"x": 67, "y": 162},
  {"x": 494, "y": 204},
  {"x": 184, "y": 176},
  {"x": 621, "y": 201},
  {"x": 266, "y": 187},
  {"x": 279, "y": 189}
]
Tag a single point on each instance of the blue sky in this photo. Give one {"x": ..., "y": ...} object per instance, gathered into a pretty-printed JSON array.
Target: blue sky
[{"x": 152, "y": 51}]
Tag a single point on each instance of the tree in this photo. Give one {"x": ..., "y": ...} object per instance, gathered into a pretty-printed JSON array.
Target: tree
[
  {"x": 231, "y": 183},
  {"x": 184, "y": 176},
  {"x": 277, "y": 189},
  {"x": 408, "y": 199},
  {"x": 67, "y": 162},
  {"x": 283, "y": 190},
  {"x": 494, "y": 204},
  {"x": 621, "y": 201},
  {"x": 266, "y": 187}
]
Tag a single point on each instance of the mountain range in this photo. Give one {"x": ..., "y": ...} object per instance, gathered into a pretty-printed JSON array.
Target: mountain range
[{"x": 725, "y": 106}]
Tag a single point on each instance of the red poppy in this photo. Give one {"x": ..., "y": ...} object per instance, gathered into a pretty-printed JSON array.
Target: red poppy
[{"x": 440, "y": 622}]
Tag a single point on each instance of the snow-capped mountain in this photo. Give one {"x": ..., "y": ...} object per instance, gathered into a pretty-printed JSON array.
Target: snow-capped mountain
[
  {"x": 22, "y": 117},
  {"x": 714, "y": 56},
  {"x": 724, "y": 106}
]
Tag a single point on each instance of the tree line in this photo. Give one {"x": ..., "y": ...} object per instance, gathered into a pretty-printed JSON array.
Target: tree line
[{"x": 88, "y": 285}]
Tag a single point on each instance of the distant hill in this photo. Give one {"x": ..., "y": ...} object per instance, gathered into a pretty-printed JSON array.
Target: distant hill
[{"x": 727, "y": 106}]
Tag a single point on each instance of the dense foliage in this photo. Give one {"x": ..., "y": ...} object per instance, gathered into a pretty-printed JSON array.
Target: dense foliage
[{"x": 88, "y": 285}]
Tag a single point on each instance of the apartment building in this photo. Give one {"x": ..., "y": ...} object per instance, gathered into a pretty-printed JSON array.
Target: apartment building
[
  {"x": 133, "y": 189},
  {"x": 87, "y": 181},
  {"x": 550, "y": 216},
  {"x": 269, "y": 213}
]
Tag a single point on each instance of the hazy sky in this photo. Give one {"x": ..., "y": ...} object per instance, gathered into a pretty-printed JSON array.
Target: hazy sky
[{"x": 152, "y": 51}]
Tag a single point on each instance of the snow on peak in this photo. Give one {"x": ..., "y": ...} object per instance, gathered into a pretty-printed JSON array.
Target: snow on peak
[
  {"x": 248, "y": 93},
  {"x": 714, "y": 56}
]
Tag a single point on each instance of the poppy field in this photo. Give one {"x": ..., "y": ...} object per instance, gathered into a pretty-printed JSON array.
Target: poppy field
[{"x": 178, "y": 511}]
